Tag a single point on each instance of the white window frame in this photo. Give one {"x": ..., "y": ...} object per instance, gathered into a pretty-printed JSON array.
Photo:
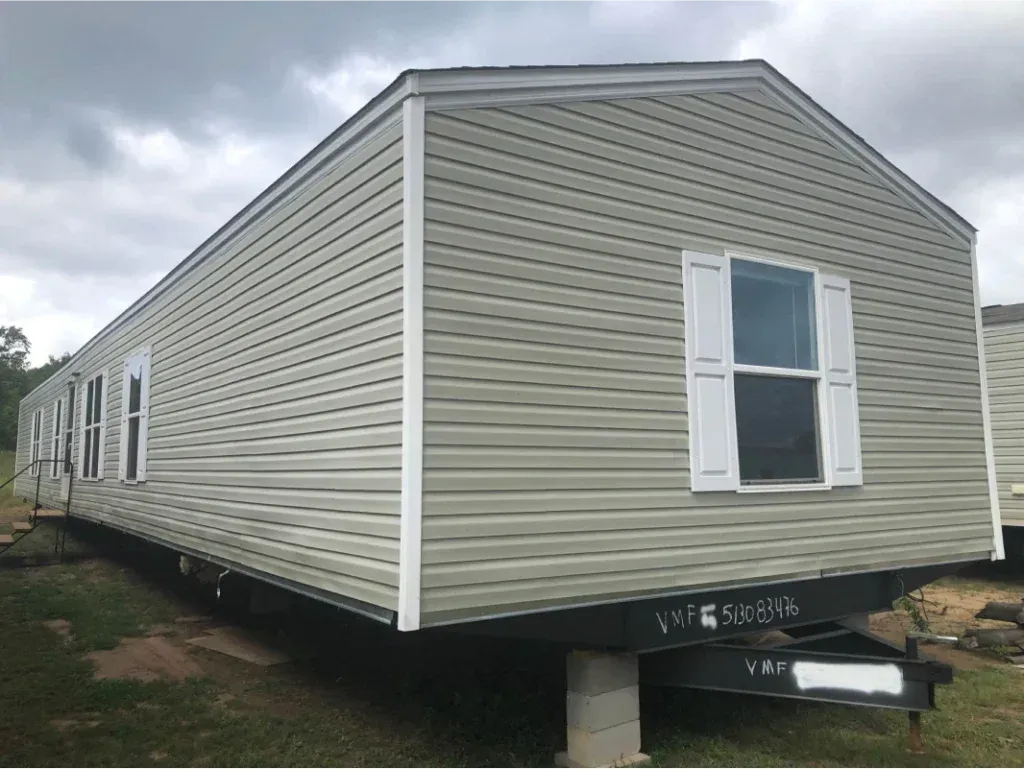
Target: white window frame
[
  {"x": 142, "y": 358},
  {"x": 710, "y": 371},
  {"x": 57, "y": 439},
  {"x": 96, "y": 428},
  {"x": 68, "y": 429},
  {"x": 35, "y": 446}
]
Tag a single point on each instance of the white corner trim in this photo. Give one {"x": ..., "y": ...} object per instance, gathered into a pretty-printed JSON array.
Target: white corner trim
[
  {"x": 411, "y": 529},
  {"x": 998, "y": 550}
]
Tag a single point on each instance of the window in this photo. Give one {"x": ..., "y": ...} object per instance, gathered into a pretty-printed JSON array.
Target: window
[
  {"x": 69, "y": 427},
  {"x": 36, "y": 444},
  {"x": 94, "y": 427},
  {"x": 56, "y": 433},
  {"x": 771, "y": 383},
  {"x": 134, "y": 418}
]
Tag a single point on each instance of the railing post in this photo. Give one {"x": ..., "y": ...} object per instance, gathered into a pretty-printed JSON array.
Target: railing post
[
  {"x": 67, "y": 509},
  {"x": 39, "y": 478}
]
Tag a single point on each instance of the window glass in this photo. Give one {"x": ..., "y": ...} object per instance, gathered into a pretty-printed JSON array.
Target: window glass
[
  {"x": 90, "y": 388},
  {"x": 94, "y": 470},
  {"x": 135, "y": 387},
  {"x": 777, "y": 430},
  {"x": 773, "y": 317},
  {"x": 97, "y": 401},
  {"x": 133, "y": 449}
]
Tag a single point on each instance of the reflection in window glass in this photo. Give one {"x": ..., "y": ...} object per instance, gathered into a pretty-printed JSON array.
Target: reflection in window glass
[
  {"x": 773, "y": 317},
  {"x": 97, "y": 400},
  {"x": 777, "y": 430},
  {"x": 135, "y": 387}
]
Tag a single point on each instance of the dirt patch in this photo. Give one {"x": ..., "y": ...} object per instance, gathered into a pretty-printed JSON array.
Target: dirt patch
[
  {"x": 950, "y": 610},
  {"x": 66, "y": 724},
  {"x": 240, "y": 644},
  {"x": 59, "y": 626},
  {"x": 193, "y": 619},
  {"x": 145, "y": 659}
]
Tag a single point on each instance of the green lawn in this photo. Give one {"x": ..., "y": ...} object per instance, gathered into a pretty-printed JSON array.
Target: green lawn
[
  {"x": 6, "y": 471},
  {"x": 362, "y": 696}
]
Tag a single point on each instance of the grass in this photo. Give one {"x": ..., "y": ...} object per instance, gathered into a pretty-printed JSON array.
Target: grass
[
  {"x": 360, "y": 695},
  {"x": 10, "y": 507}
]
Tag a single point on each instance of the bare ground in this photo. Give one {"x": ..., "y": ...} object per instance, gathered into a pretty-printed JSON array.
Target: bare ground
[{"x": 949, "y": 607}]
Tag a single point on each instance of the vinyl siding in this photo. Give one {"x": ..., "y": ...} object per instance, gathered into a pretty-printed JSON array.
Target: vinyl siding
[
  {"x": 555, "y": 429},
  {"x": 1004, "y": 358},
  {"x": 275, "y": 396}
]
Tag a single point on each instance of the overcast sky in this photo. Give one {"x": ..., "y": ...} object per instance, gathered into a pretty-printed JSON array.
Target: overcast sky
[{"x": 130, "y": 132}]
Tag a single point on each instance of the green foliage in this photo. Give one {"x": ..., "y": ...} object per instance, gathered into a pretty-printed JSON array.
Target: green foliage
[
  {"x": 916, "y": 612},
  {"x": 17, "y": 379}
]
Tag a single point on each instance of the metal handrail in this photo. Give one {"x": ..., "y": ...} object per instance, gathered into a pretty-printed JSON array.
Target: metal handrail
[
  {"x": 69, "y": 468},
  {"x": 29, "y": 466}
]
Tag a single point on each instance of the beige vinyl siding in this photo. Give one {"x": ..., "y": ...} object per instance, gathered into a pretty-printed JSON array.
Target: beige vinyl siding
[
  {"x": 555, "y": 439},
  {"x": 1004, "y": 358},
  {"x": 275, "y": 396}
]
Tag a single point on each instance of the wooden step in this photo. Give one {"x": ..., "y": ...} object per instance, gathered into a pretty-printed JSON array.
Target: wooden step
[
  {"x": 22, "y": 526},
  {"x": 6, "y": 539},
  {"x": 46, "y": 515}
]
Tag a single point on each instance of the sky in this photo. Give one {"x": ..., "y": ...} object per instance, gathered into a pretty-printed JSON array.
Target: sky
[{"x": 130, "y": 132}]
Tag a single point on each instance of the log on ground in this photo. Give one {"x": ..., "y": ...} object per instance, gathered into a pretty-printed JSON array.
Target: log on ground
[{"x": 1002, "y": 611}]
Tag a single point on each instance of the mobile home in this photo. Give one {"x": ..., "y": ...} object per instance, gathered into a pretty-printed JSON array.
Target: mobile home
[
  {"x": 1004, "y": 357},
  {"x": 631, "y": 357}
]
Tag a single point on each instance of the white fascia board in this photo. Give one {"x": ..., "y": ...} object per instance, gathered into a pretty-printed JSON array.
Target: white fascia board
[
  {"x": 998, "y": 549},
  {"x": 626, "y": 76},
  {"x": 595, "y": 92},
  {"x": 410, "y": 548}
]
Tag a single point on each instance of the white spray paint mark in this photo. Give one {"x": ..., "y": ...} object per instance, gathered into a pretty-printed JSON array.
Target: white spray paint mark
[
  {"x": 849, "y": 677},
  {"x": 707, "y": 617}
]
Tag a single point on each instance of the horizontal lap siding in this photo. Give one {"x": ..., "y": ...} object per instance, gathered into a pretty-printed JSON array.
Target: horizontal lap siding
[
  {"x": 275, "y": 396},
  {"x": 1004, "y": 357},
  {"x": 556, "y": 451}
]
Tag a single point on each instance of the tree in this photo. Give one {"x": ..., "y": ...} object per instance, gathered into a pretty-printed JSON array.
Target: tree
[
  {"x": 36, "y": 376},
  {"x": 14, "y": 348},
  {"x": 17, "y": 379}
]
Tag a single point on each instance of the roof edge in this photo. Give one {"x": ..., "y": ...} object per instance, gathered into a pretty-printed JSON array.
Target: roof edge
[
  {"x": 279, "y": 190},
  {"x": 996, "y": 314},
  {"x": 470, "y": 88}
]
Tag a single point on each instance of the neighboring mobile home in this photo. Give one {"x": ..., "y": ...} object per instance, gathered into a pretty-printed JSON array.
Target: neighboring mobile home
[
  {"x": 1004, "y": 356},
  {"x": 513, "y": 341}
]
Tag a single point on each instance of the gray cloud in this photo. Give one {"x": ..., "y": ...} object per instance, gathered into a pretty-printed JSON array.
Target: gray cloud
[{"x": 130, "y": 132}]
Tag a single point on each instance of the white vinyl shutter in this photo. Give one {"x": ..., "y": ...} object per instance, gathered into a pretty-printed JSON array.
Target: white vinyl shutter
[
  {"x": 103, "y": 422},
  {"x": 122, "y": 454},
  {"x": 714, "y": 462},
  {"x": 140, "y": 474},
  {"x": 841, "y": 382},
  {"x": 81, "y": 431}
]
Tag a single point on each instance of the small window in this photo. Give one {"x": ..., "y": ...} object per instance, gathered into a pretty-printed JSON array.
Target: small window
[
  {"x": 134, "y": 418},
  {"x": 94, "y": 427},
  {"x": 36, "y": 444},
  {"x": 770, "y": 376},
  {"x": 56, "y": 437}
]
